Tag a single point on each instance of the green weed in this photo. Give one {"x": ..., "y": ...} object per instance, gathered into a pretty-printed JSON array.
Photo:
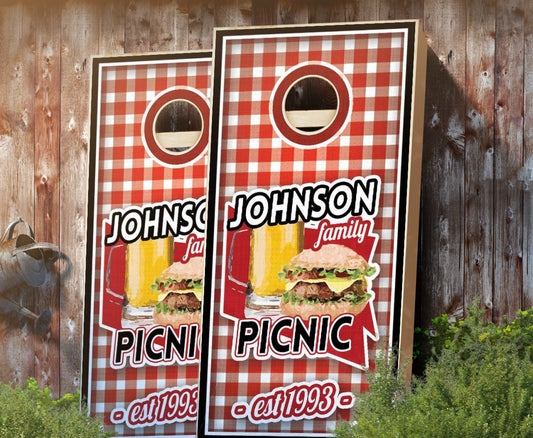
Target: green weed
[
  {"x": 29, "y": 412},
  {"x": 479, "y": 383}
]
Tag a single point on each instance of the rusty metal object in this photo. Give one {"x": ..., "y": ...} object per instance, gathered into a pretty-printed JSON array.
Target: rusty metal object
[{"x": 23, "y": 263}]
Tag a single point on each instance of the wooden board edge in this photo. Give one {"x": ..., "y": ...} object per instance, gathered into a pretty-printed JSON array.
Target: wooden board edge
[
  {"x": 337, "y": 25},
  {"x": 140, "y": 57},
  {"x": 413, "y": 203},
  {"x": 91, "y": 184}
]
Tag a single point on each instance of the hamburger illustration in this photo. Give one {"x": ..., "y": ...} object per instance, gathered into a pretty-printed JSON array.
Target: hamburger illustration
[
  {"x": 330, "y": 281},
  {"x": 180, "y": 293}
]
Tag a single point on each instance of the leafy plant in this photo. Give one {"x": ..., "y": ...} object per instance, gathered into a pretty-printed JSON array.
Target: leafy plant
[
  {"x": 29, "y": 412},
  {"x": 478, "y": 384}
]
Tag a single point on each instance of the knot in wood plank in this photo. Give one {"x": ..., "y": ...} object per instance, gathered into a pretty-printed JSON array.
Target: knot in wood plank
[
  {"x": 509, "y": 214},
  {"x": 508, "y": 252},
  {"x": 72, "y": 124}
]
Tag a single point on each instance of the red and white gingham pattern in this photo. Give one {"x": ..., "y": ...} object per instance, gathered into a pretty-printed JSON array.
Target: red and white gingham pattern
[
  {"x": 252, "y": 156},
  {"x": 127, "y": 176}
]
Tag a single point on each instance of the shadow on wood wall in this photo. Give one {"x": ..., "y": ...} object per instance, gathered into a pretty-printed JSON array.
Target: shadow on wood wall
[{"x": 442, "y": 228}]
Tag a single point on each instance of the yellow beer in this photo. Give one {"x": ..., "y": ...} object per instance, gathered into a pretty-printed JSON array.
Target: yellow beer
[
  {"x": 145, "y": 261},
  {"x": 271, "y": 248}
]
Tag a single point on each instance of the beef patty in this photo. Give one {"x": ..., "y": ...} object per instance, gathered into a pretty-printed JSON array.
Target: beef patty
[
  {"x": 182, "y": 301},
  {"x": 322, "y": 292}
]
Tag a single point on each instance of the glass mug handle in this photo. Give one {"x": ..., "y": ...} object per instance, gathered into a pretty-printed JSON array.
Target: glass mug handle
[
  {"x": 238, "y": 285},
  {"x": 108, "y": 275}
]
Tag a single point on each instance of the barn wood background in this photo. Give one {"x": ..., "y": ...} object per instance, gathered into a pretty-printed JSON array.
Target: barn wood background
[{"x": 476, "y": 206}]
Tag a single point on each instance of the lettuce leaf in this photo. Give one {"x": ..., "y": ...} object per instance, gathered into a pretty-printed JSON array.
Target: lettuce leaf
[
  {"x": 353, "y": 299},
  {"x": 293, "y": 272},
  {"x": 165, "y": 309}
]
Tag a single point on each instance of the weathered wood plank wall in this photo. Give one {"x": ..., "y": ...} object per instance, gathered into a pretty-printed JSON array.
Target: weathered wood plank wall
[
  {"x": 477, "y": 206},
  {"x": 17, "y": 158},
  {"x": 47, "y": 167},
  {"x": 479, "y": 150}
]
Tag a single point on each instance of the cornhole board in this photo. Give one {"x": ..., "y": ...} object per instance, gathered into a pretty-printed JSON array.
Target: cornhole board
[
  {"x": 148, "y": 177},
  {"x": 316, "y": 131}
]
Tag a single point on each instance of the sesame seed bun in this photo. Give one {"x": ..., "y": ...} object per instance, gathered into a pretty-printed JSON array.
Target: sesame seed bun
[
  {"x": 330, "y": 256},
  {"x": 192, "y": 270}
]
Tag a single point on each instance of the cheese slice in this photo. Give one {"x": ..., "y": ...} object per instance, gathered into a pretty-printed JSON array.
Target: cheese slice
[
  {"x": 197, "y": 291},
  {"x": 337, "y": 284}
]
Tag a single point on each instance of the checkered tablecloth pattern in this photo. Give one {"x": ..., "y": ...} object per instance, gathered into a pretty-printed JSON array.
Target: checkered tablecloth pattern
[
  {"x": 128, "y": 176},
  {"x": 253, "y": 156}
]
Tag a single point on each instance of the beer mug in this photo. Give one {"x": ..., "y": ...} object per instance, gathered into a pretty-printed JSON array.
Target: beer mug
[
  {"x": 271, "y": 248},
  {"x": 145, "y": 261}
]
